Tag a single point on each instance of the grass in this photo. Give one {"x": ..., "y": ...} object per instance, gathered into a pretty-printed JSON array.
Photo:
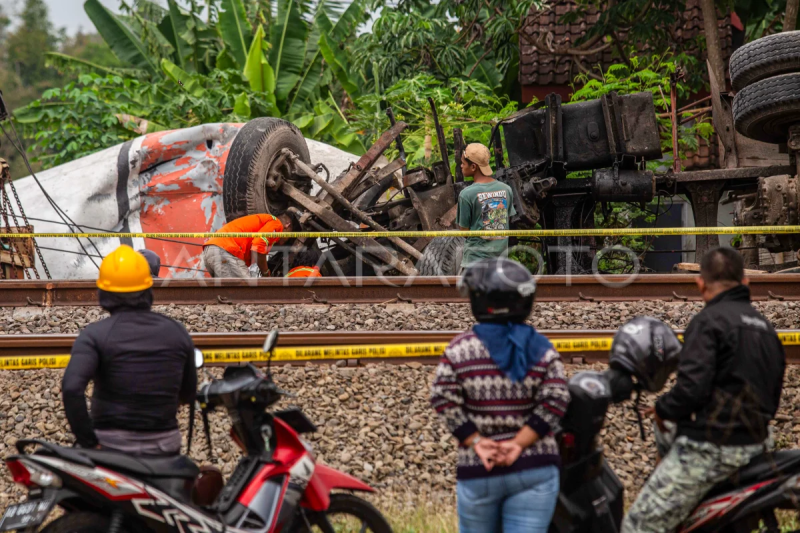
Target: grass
[{"x": 424, "y": 519}]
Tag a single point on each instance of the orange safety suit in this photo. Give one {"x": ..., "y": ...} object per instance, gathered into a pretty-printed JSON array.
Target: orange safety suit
[
  {"x": 304, "y": 272},
  {"x": 241, "y": 246}
]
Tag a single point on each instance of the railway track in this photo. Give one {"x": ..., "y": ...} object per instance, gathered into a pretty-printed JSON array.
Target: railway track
[
  {"x": 37, "y": 345},
  {"x": 374, "y": 290}
]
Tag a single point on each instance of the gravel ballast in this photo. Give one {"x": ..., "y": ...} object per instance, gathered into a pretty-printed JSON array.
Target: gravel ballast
[
  {"x": 390, "y": 317},
  {"x": 374, "y": 422}
]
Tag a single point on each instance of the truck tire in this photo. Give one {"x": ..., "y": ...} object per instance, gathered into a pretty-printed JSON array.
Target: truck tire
[
  {"x": 764, "y": 110},
  {"x": 442, "y": 257},
  {"x": 252, "y": 154},
  {"x": 764, "y": 58}
]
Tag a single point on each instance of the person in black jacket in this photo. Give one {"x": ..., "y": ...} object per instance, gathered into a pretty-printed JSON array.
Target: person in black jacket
[
  {"x": 142, "y": 364},
  {"x": 730, "y": 377}
]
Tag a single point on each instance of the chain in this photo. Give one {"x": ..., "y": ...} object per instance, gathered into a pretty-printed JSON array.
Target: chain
[
  {"x": 4, "y": 173},
  {"x": 35, "y": 244}
]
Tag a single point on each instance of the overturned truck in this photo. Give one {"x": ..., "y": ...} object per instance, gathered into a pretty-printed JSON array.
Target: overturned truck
[{"x": 269, "y": 170}]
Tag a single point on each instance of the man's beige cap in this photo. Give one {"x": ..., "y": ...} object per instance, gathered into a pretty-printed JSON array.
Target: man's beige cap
[{"x": 479, "y": 154}]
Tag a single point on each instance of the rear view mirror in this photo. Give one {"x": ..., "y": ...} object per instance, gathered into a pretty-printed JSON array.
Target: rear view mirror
[
  {"x": 199, "y": 360},
  {"x": 271, "y": 341}
]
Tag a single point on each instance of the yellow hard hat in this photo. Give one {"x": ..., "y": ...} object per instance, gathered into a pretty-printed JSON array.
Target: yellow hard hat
[{"x": 124, "y": 270}]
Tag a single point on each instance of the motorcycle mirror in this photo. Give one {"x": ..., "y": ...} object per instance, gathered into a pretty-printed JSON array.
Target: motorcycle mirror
[
  {"x": 199, "y": 360},
  {"x": 271, "y": 341}
]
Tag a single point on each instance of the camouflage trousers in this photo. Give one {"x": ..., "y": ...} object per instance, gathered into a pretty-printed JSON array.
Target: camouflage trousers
[{"x": 680, "y": 481}]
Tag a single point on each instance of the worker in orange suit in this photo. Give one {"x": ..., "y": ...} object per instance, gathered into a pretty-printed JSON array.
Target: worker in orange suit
[
  {"x": 304, "y": 272},
  {"x": 228, "y": 257}
]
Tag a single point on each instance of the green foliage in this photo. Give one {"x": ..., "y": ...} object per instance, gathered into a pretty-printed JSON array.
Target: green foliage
[
  {"x": 761, "y": 17},
  {"x": 451, "y": 39},
  {"x": 77, "y": 120},
  {"x": 623, "y": 215},
  {"x": 650, "y": 74},
  {"x": 329, "y": 124},
  {"x": 464, "y": 104},
  {"x": 167, "y": 77}
]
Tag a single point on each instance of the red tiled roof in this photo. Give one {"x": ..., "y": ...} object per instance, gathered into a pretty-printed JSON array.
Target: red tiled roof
[{"x": 547, "y": 69}]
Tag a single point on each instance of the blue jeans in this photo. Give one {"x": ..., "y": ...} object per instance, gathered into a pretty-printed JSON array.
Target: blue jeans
[{"x": 513, "y": 503}]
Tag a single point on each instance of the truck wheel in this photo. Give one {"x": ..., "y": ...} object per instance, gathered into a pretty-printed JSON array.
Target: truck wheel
[
  {"x": 253, "y": 155},
  {"x": 764, "y": 58},
  {"x": 442, "y": 257},
  {"x": 764, "y": 110}
]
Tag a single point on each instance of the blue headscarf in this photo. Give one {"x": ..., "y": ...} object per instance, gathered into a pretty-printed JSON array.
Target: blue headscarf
[{"x": 514, "y": 347}]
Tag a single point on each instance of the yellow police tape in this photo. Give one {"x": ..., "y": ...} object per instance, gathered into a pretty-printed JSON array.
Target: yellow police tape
[
  {"x": 321, "y": 353},
  {"x": 598, "y": 232}
]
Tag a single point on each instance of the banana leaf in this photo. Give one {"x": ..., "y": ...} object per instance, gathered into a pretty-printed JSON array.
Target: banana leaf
[
  {"x": 173, "y": 26},
  {"x": 257, "y": 69},
  {"x": 125, "y": 45},
  {"x": 339, "y": 65},
  {"x": 340, "y": 31},
  {"x": 288, "y": 37},
  {"x": 235, "y": 30},
  {"x": 182, "y": 78},
  {"x": 65, "y": 62},
  {"x": 241, "y": 106}
]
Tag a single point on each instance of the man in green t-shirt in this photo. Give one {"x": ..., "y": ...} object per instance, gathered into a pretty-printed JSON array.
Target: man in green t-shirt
[{"x": 487, "y": 204}]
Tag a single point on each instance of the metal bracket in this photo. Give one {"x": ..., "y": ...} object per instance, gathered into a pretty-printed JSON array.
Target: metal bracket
[{"x": 705, "y": 206}]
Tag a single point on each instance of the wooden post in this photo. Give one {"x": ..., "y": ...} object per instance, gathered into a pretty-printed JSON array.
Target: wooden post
[
  {"x": 790, "y": 17},
  {"x": 711, "y": 29}
]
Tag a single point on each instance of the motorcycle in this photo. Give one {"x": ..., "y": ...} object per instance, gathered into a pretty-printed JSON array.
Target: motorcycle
[
  {"x": 276, "y": 487},
  {"x": 591, "y": 496}
]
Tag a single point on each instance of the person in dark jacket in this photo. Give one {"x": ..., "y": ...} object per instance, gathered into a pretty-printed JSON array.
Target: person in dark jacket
[
  {"x": 142, "y": 364},
  {"x": 153, "y": 260},
  {"x": 730, "y": 376}
]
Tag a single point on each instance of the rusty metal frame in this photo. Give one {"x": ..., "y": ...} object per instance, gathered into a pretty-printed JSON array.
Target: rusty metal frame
[
  {"x": 360, "y": 167},
  {"x": 324, "y": 212},
  {"x": 365, "y": 218}
]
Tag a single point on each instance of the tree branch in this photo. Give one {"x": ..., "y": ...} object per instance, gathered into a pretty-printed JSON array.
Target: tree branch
[
  {"x": 478, "y": 62},
  {"x": 790, "y": 18},
  {"x": 577, "y": 62}
]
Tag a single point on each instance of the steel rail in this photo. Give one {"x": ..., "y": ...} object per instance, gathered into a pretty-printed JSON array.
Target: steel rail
[
  {"x": 375, "y": 290},
  {"x": 29, "y": 345}
]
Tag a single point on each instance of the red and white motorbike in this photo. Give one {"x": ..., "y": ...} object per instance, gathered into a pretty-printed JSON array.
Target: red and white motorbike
[{"x": 276, "y": 487}]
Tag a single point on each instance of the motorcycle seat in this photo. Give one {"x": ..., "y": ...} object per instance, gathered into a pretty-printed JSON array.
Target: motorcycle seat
[
  {"x": 760, "y": 468},
  {"x": 173, "y": 466}
]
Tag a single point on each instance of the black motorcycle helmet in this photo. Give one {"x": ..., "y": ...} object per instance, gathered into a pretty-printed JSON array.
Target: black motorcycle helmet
[
  {"x": 499, "y": 290},
  {"x": 648, "y": 349}
]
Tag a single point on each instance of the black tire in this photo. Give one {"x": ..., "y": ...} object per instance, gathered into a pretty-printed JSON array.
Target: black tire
[
  {"x": 442, "y": 257},
  {"x": 79, "y": 522},
  {"x": 252, "y": 153},
  {"x": 764, "y": 58},
  {"x": 352, "y": 507},
  {"x": 764, "y": 110}
]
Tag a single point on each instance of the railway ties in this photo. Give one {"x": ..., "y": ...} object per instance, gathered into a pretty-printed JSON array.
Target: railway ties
[{"x": 377, "y": 290}]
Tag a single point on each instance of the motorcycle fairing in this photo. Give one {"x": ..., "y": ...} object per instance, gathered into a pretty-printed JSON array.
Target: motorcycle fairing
[
  {"x": 713, "y": 509},
  {"x": 291, "y": 468},
  {"x": 110, "y": 484},
  {"x": 160, "y": 511},
  {"x": 318, "y": 493}
]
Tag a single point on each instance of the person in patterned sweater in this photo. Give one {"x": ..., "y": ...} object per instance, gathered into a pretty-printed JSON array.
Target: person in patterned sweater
[{"x": 501, "y": 390}]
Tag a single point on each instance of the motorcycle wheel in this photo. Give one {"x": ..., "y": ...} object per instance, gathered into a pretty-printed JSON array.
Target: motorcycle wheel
[
  {"x": 80, "y": 522},
  {"x": 346, "y": 514}
]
